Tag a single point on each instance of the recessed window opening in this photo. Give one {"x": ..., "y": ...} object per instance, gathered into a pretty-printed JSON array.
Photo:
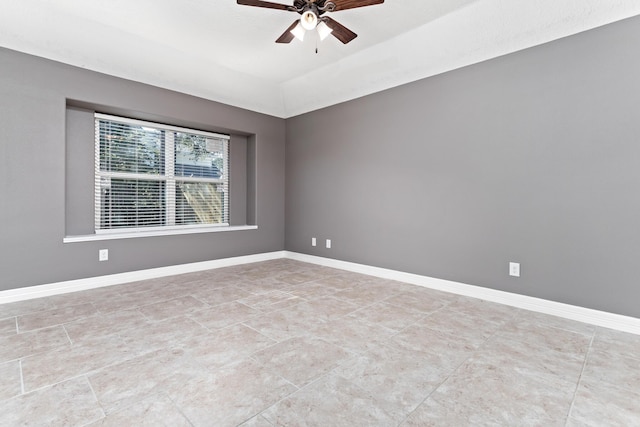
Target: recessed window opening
[{"x": 152, "y": 176}]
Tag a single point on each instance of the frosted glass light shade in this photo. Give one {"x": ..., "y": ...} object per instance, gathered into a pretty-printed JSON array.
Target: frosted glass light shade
[
  {"x": 323, "y": 30},
  {"x": 309, "y": 20},
  {"x": 298, "y": 32}
]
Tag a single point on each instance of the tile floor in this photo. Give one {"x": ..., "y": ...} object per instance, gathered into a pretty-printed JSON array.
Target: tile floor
[{"x": 284, "y": 343}]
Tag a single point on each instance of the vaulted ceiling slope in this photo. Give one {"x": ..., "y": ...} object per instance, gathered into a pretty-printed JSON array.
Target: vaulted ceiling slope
[{"x": 218, "y": 50}]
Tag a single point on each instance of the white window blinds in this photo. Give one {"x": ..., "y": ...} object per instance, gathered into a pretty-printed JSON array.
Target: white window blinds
[{"x": 155, "y": 176}]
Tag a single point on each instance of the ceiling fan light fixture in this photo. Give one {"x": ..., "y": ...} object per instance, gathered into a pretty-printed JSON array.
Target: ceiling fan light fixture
[
  {"x": 298, "y": 32},
  {"x": 309, "y": 20},
  {"x": 312, "y": 17},
  {"x": 323, "y": 30}
]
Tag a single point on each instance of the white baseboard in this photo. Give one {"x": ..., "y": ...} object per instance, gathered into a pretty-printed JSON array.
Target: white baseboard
[
  {"x": 581, "y": 314},
  {"x": 567, "y": 311},
  {"x": 31, "y": 292}
]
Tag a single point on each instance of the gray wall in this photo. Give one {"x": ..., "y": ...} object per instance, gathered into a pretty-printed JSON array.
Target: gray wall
[
  {"x": 41, "y": 199},
  {"x": 533, "y": 157}
]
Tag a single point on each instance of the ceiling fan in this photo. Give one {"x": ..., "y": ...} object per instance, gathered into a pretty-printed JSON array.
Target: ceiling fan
[{"x": 312, "y": 12}]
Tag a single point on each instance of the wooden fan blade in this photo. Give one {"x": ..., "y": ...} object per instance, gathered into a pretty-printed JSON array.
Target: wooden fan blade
[
  {"x": 287, "y": 36},
  {"x": 267, "y": 4},
  {"x": 340, "y": 32},
  {"x": 352, "y": 4}
]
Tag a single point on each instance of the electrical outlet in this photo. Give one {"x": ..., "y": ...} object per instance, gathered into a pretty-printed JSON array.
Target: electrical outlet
[
  {"x": 313, "y": 241},
  {"x": 328, "y": 243},
  {"x": 514, "y": 269},
  {"x": 103, "y": 255}
]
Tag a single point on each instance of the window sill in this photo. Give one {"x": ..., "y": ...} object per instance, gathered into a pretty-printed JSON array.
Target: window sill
[{"x": 140, "y": 234}]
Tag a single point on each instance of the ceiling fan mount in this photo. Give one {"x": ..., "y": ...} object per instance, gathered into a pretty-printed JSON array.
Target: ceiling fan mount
[
  {"x": 319, "y": 7},
  {"x": 311, "y": 18}
]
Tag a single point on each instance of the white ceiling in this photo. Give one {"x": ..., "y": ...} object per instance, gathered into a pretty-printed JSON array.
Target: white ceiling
[{"x": 225, "y": 52}]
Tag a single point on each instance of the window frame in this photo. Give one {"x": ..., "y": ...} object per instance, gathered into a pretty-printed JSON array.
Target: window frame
[{"x": 166, "y": 175}]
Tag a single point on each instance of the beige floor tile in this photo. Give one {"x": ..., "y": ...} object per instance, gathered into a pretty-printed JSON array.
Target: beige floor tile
[
  {"x": 71, "y": 403},
  {"x": 475, "y": 329},
  {"x": 148, "y": 284},
  {"x": 231, "y": 395},
  {"x": 284, "y": 305},
  {"x": 226, "y": 346},
  {"x": 297, "y": 278},
  {"x": 390, "y": 316},
  {"x": 399, "y": 379},
  {"x": 83, "y": 297},
  {"x": 258, "y": 421},
  {"x": 392, "y": 286},
  {"x": 260, "y": 274},
  {"x": 8, "y": 327},
  {"x": 246, "y": 268},
  {"x": 29, "y": 322},
  {"x": 155, "y": 411},
  {"x": 537, "y": 335},
  {"x": 352, "y": 334},
  {"x": 324, "y": 308},
  {"x": 57, "y": 365},
  {"x": 148, "y": 336},
  {"x": 613, "y": 368},
  {"x": 488, "y": 311},
  {"x": 420, "y": 339},
  {"x": 130, "y": 298},
  {"x": 617, "y": 342},
  {"x": 546, "y": 320},
  {"x": 20, "y": 308},
  {"x": 602, "y": 404},
  {"x": 172, "y": 290},
  {"x": 352, "y": 276},
  {"x": 365, "y": 350},
  {"x": 102, "y": 325},
  {"x": 533, "y": 358},
  {"x": 426, "y": 301},
  {"x": 224, "y": 315},
  {"x": 204, "y": 277},
  {"x": 284, "y": 324},
  {"x": 303, "y": 359},
  {"x": 364, "y": 295},
  {"x": 124, "y": 302},
  {"x": 29, "y": 343},
  {"x": 504, "y": 395},
  {"x": 432, "y": 413},
  {"x": 172, "y": 308},
  {"x": 204, "y": 282},
  {"x": 312, "y": 290},
  {"x": 10, "y": 381},
  {"x": 130, "y": 288},
  {"x": 325, "y": 272},
  {"x": 349, "y": 280},
  {"x": 345, "y": 280},
  {"x": 572, "y": 422},
  {"x": 262, "y": 286},
  {"x": 331, "y": 401},
  {"x": 270, "y": 301},
  {"x": 121, "y": 385},
  {"x": 217, "y": 296}
]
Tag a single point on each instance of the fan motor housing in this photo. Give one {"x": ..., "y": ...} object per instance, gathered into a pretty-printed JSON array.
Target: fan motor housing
[{"x": 318, "y": 7}]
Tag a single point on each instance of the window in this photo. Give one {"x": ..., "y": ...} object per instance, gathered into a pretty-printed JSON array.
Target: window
[{"x": 150, "y": 176}]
